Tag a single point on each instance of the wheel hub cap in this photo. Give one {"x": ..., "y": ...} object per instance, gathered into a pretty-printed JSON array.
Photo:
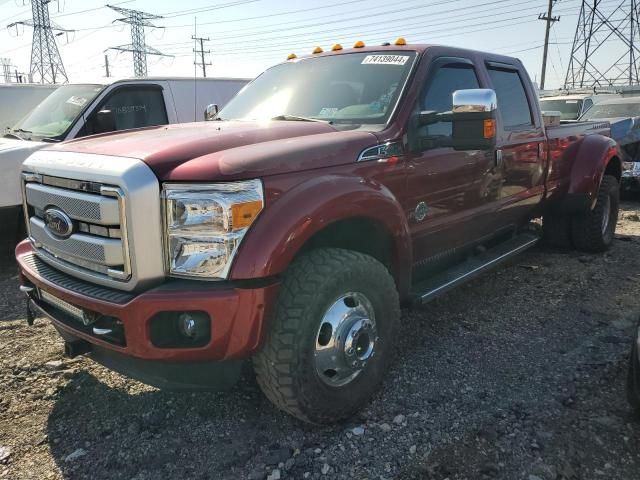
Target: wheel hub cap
[{"x": 346, "y": 339}]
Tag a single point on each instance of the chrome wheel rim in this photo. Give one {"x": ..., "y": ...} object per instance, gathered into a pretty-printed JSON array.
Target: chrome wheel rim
[
  {"x": 346, "y": 339},
  {"x": 606, "y": 214}
]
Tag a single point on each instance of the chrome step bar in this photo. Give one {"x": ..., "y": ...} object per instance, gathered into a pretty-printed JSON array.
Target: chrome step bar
[{"x": 441, "y": 283}]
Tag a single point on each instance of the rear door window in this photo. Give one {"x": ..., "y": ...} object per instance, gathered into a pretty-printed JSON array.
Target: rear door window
[{"x": 513, "y": 105}]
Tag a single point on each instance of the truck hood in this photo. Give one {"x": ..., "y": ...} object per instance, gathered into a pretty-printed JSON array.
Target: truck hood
[
  {"x": 230, "y": 150},
  {"x": 15, "y": 144}
]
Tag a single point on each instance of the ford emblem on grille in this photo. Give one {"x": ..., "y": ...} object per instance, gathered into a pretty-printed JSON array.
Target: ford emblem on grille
[{"x": 58, "y": 223}]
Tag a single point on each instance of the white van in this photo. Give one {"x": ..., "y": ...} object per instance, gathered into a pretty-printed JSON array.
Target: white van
[{"x": 74, "y": 111}]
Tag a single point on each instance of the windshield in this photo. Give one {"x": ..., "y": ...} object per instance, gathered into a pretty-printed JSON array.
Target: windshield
[
  {"x": 55, "y": 115},
  {"x": 357, "y": 88},
  {"x": 569, "y": 109},
  {"x": 612, "y": 110}
]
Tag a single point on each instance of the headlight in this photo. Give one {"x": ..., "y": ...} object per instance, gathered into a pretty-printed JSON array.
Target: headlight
[{"x": 205, "y": 224}]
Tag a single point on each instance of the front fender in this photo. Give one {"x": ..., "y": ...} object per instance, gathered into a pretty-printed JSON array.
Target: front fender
[
  {"x": 592, "y": 159},
  {"x": 289, "y": 221}
]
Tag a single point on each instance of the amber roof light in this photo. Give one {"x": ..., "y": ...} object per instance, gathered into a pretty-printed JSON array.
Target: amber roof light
[
  {"x": 358, "y": 44},
  {"x": 337, "y": 46},
  {"x": 400, "y": 41},
  {"x": 291, "y": 56},
  {"x": 317, "y": 50}
]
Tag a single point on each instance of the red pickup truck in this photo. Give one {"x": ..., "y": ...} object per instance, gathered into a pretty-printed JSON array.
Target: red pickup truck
[{"x": 329, "y": 192}]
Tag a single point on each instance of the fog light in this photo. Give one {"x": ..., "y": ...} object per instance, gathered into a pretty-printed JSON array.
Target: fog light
[
  {"x": 180, "y": 329},
  {"x": 188, "y": 325}
]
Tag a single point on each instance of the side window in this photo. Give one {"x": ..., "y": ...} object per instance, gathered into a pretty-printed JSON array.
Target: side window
[
  {"x": 512, "y": 98},
  {"x": 129, "y": 108},
  {"x": 439, "y": 91},
  {"x": 586, "y": 105}
]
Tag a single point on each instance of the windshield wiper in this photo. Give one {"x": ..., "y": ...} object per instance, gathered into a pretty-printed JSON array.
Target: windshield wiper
[
  {"x": 21, "y": 130},
  {"x": 297, "y": 118}
]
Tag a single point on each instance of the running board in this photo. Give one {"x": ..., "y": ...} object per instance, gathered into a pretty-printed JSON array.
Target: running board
[{"x": 441, "y": 283}]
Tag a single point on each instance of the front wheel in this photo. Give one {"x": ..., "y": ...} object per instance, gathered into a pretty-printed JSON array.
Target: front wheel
[{"x": 330, "y": 342}]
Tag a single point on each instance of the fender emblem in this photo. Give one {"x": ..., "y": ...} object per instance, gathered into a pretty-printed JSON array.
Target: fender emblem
[{"x": 421, "y": 211}]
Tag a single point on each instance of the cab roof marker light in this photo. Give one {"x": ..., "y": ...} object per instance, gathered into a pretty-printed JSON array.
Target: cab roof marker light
[
  {"x": 400, "y": 41},
  {"x": 358, "y": 44},
  {"x": 291, "y": 56},
  {"x": 337, "y": 46},
  {"x": 317, "y": 50}
]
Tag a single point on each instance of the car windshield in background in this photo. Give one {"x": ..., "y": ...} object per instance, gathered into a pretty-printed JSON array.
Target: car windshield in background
[
  {"x": 356, "y": 88},
  {"x": 569, "y": 109},
  {"x": 612, "y": 110},
  {"x": 55, "y": 115}
]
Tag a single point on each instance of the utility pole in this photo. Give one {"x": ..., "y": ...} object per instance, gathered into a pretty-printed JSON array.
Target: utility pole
[
  {"x": 46, "y": 63},
  {"x": 202, "y": 52},
  {"x": 138, "y": 20},
  {"x": 550, "y": 19},
  {"x": 106, "y": 65}
]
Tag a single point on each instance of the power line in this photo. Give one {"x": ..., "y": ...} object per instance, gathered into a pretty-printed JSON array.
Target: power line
[
  {"x": 137, "y": 20},
  {"x": 46, "y": 62},
  {"x": 595, "y": 30}
]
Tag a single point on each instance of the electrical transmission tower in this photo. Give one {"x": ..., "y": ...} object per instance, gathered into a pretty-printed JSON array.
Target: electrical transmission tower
[
  {"x": 6, "y": 69},
  {"x": 605, "y": 49},
  {"x": 201, "y": 51},
  {"x": 138, "y": 20},
  {"x": 46, "y": 63}
]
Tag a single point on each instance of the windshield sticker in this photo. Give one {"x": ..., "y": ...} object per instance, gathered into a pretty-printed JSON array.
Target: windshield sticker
[
  {"x": 385, "y": 60},
  {"x": 325, "y": 111},
  {"x": 77, "y": 101},
  {"x": 130, "y": 109},
  {"x": 572, "y": 101}
]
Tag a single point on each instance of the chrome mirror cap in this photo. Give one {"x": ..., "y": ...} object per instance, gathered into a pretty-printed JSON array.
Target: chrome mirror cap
[
  {"x": 211, "y": 111},
  {"x": 475, "y": 100}
]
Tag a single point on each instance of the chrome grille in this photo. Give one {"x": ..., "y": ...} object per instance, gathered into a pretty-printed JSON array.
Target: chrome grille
[
  {"x": 78, "y": 205},
  {"x": 81, "y": 250}
]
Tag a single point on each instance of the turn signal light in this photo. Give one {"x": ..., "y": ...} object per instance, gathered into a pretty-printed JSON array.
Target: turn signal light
[
  {"x": 291, "y": 56},
  {"x": 243, "y": 214},
  {"x": 337, "y": 46},
  {"x": 400, "y": 41},
  {"x": 358, "y": 44},
  {"x": 317, "y": 50},
  {"x": 489, "y": 128}
]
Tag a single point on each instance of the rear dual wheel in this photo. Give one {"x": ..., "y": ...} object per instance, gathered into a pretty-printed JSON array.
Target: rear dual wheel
[
  {"x": 330, "y": 342},
  {"x": 591, "y": 231}
]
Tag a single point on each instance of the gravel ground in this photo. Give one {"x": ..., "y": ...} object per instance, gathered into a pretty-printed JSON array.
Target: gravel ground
[{"x": 517, "y": 375}]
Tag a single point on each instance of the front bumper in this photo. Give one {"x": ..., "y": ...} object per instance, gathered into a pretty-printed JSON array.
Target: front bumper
[
  {"x": 238, "y": 312},
  {"x": 630, "y": 181}
]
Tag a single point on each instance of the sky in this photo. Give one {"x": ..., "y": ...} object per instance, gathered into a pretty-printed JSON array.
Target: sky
[{"x": 247, "y": 36}]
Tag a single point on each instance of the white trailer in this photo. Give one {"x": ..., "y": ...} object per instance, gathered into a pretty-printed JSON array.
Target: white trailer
[
  {"x": 18, "y": 99},
  {"x": 77, "y": 110}
]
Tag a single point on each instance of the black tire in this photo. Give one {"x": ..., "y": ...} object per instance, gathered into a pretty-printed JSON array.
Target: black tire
[
  {"x": 285, "y": 367},
  {"x": 633, "y": 379},
  {"x": 556, "y": 230},
  {"x": 587, "y": 231}
]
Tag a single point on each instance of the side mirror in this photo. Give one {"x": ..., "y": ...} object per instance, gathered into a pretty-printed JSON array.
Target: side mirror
[
  {"x": 474, "y": 119},
  {"x": 211, "y": 112},
  {"x": 105, "y": 121}
]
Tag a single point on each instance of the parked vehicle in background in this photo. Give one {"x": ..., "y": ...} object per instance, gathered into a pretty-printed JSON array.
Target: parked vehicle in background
[
  {"x": 572, "y": 106},
  {"x": 75, "y": 111},
  {"x": 18, "y": 99},
  {"x": 633, "y": 376},
  {"x": 332, "y": 190},
  {"x": 623, "y": 114}
]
